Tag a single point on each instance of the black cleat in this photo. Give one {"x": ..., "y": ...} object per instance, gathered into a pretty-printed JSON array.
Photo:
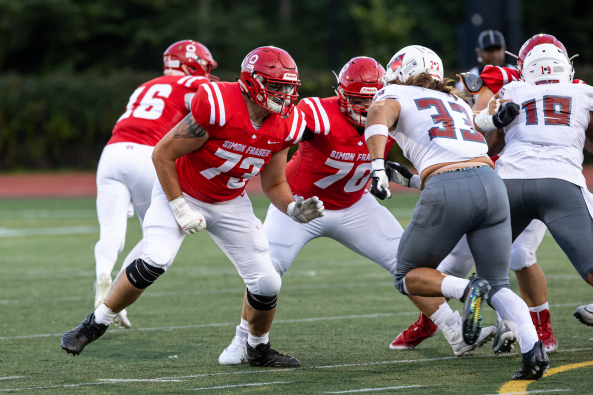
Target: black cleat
[
  {"x": 534, "y": 364},
  {"x": 475, "y": 294},
  {"x": 264, "y": 356},
  {"x": 75, "y": 340}
]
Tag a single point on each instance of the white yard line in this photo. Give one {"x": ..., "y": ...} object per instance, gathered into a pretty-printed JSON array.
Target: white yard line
[
  {"x": 65, "y": 230},
  {"x": 181, "y": 378},
  {"x": 168, "y": 328},
  {"x": 12, "y": 377},
  {"x": 374, "y": 389},
  {"x": 238, "y": 385}
]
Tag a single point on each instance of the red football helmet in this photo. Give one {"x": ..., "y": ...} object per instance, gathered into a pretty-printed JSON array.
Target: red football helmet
[
  {"x": 269, "y": 76},
  {"x": 532, "y": 42},
  {"x": 358, "y": 82},
  {"x": 189, "y": 57}
]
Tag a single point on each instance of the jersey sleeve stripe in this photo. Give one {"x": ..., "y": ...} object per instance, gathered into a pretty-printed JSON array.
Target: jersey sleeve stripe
[
  {"x": 323, "y": 115},
  {"x": 220, "y": 103},
  {"x": 182, "y": 80},
  {"x": 301, "y": 131},
  {"x": 314, "y": 114},
  {"x": 211, "y": 101},
  {"x": 295, "y": 121},
  {"x": 505, "y": 77},
  {"x": 192, "y": 80}
]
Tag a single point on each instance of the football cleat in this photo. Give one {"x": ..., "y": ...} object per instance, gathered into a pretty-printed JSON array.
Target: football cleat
[
  {"x": 102, "y": 286},
  {"x": 534, "y": 365},
  {"x": 75, "y": 340},
  {"x": 474, "y": 296},
  {"x": 541, "y": 321},
  {"x": 264, "y": 356},
  {"x": 416, "y": 333},
  {"x": 121, "y": 320},
  {"x": 504, "y": 341},
  {"x": 236, "y": 352},
  {"x": 585, "y": 314},
  {"x": 452, "y": 332}
]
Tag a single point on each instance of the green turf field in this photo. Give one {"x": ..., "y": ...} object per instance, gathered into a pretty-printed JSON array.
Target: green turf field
[{"x": 337, "y": 313}]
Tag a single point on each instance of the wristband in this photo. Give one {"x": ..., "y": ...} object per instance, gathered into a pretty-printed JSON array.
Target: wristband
[
  {"x": 415, "y": 182},
  {"x": 176, "y": 203},
  {"x": 377, "y": 164},
  {"x": 376, "y": 129},
  {"x": 485, "y": 122}
]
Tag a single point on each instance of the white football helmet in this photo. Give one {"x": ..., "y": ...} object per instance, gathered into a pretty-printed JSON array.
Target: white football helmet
[
  {"x": 412, "y": 60},
  {"x": 547, "y": 64}
]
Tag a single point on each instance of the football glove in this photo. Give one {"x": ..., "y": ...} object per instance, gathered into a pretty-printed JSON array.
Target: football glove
[
  {"x": 303, "y": 211},
  {"x": 380, "y": 184},
  {"x": 505, "y": 115},
  {"x": 191, "y": 221}
]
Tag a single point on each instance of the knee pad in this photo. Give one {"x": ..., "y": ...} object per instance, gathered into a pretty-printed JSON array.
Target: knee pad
[
  {"x": 520, "y": 259},
  {"x": 269, "y": 284},
  {"x": 141, "y": 274},
  {"x": 260, "y": 302},
  {"x": 157, "y": 254}
]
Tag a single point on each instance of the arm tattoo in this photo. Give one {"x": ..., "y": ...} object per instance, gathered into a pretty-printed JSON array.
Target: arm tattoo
[{"x": 189, "y": 128}]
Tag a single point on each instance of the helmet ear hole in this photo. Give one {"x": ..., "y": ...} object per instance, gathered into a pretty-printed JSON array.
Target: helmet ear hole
[{"x": 249, "y": 84}]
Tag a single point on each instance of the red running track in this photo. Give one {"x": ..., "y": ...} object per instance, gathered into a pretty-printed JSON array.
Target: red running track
[{"x": 48, "y": 185}]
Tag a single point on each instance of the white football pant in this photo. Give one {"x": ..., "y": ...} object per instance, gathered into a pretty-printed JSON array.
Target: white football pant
[
  {"x": 366, "y": 228},
  {"x": 232, "y": 225},
  {"x": 125, "y": 176},
  {"x": 460, "y": 261}
]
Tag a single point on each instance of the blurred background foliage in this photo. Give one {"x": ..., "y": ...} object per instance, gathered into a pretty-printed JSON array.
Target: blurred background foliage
[{"x": 67, "y": 67}]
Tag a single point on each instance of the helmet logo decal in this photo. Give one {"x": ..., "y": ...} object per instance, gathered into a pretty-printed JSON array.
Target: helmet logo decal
[
  {"x": 290, "y": 76},
  {"x": 253, "y": 59},
  {"x": 344, "y": 69},
  {"x": 397, "y": 62},
  {"x": 190, "y": 51},
  {"x": 367, "y": 89}
]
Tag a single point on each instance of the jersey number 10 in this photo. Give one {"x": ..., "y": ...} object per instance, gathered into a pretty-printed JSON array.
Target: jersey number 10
[{"x": 556, "y": 110}]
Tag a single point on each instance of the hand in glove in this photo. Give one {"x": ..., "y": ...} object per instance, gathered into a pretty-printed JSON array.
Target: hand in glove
[
  {"x": 380, "y": 184},
  {"x": 304, "y": 211},
  {"x": 191, "y": 221},
  {"x": 506, "y": 113}
]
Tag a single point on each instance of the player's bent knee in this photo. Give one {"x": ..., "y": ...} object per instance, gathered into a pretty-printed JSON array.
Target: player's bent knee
[
  {"x": 260, "y": 302},
  {"x": 141, "y": 274},
  {"x": 269, "y": 284},
  {"x": 157, "y": 254},
  {"x": 520, "y": 259}
]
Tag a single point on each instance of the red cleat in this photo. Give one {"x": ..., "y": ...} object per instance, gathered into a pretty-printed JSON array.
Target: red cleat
[
  {"x": 416, "y": 333},
  {"x": 543, "y": 327}
]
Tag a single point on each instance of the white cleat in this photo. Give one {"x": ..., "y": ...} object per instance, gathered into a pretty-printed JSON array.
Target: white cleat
[
  {"x": 121, "y": 320},
  {"x": 452, "y": 332},
  {"x": 102, "y": 286},
  {"x": 585, "y": 314},
  {"x": 236, "y": 352}
]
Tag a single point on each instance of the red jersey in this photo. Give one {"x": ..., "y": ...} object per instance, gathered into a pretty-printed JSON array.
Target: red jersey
[
  {"x": 495, "y": 77},
  {"x": 335, "y": 165},
  {"x": 155, "y": 108},
  {"x": 235, "y": 151}
]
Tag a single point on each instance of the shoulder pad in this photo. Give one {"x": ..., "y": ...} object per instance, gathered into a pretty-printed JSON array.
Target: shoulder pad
[{"x": 474, "y": 84}]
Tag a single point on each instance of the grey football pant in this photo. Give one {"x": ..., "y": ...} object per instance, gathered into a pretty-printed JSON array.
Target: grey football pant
[
  {"x": 472, "y": 202},
  {"x": 561, "y": 206}
]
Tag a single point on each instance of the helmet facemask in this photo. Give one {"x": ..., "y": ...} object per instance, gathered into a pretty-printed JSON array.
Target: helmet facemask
[
  {"x": 276, "y": 95},
  {"x": 357, "y": 105}
]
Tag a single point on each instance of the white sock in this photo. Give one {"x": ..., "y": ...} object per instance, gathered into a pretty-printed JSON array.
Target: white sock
[
  {"x": 453, "y": 287},
  {"x": 514, "y": 312},
  {"x": 244, "y": 324},
  {"x": 538, "y": 309},
  {"x": 440, "y": 316},
  {"x": 104, "y": 315},
  {"x": 253, "y": 341}
]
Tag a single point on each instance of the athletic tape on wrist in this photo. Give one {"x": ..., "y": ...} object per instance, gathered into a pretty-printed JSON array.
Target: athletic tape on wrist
[
  {"x": 376, "y": 129},
  {"x": 377, "y": 164},
  {"x": 484, "y": 122},
  {"x": 415, "y": 182},
  {"x": 141, "y": 274},
  {"x": 260, "y": 302}
]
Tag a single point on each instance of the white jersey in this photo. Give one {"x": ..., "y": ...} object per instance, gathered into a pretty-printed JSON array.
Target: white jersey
[
  {"x": 433, "y": 127},
  {"x": 547, "y": 138}
]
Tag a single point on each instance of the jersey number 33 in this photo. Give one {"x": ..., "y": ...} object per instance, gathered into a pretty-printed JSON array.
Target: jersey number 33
[{"x": 445, "y": 122}]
